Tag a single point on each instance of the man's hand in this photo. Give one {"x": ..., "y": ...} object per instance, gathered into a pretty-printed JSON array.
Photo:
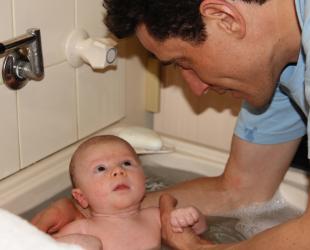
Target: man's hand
[
  {"x": 53, "y": 218},
  {"x": 186, "y": 240}
]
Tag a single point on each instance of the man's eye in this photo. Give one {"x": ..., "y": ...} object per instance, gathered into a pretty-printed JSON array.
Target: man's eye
[
  {"x": 126, "y": 164},
  {"x": 100, "y": 168}
]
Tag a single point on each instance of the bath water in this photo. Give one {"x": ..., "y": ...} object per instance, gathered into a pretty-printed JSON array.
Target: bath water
[
  {"x": 231, "y": 227},
  {"x": 236, "y": 225}
]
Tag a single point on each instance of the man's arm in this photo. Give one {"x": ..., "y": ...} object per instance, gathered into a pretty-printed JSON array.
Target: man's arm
[
  {"x": 57, "y": 215},
  {"x": 252, "y": 174}
]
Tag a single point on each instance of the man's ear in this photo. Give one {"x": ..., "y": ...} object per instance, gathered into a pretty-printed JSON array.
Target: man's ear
[
  {"x": 226, "y": 15},
  {"x": 80, "y": 197}
]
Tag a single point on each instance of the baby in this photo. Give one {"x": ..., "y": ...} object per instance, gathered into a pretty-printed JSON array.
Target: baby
[{"x": 108, "y": 179}]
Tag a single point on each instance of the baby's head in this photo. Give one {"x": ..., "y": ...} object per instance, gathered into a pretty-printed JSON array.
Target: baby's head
[{"x": 106, "y": 174}]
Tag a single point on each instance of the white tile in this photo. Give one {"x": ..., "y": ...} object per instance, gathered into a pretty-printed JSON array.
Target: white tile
[
  {"x": 47, "y": 114},
  {"x": 6, "y": 20},
  {"x": 90, "y": 17},
  {"x": 100, "y": 94},
  {"x": 9, "y": 150},
  {"x": 101, "y": 99},
  {"x": 54, "y": 18}
]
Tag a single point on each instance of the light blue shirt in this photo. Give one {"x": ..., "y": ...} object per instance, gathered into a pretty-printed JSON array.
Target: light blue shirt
[{"x": 284, "y": 119}]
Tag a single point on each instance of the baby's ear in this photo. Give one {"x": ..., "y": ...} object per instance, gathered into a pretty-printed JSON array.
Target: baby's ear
[{"x": 80, "y": 197}]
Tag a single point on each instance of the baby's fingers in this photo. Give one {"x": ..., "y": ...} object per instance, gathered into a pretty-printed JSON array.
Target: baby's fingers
[
  {"x": 177, "y": 229},
  {"x": 182, "y": 218}
]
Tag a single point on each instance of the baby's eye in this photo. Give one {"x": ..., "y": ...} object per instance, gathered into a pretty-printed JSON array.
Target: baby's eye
[
  {"x": 126, "y": 164},
  {"x": 100, "y": 168}
]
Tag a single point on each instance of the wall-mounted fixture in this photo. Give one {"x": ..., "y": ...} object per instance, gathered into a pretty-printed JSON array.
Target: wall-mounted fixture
[
  {"x": 23, "y": 59},
  {"x": 97, "y": 52}
]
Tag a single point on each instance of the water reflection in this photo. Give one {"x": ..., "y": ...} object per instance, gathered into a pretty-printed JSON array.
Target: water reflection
[{"x": 223, "y": 230}]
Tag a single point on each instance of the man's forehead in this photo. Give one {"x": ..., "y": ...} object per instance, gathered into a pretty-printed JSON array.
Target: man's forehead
[{"x": 163, "y": 50}]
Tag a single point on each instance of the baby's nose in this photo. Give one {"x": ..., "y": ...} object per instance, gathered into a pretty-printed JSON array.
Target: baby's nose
[{"x": 118, "y": 171}]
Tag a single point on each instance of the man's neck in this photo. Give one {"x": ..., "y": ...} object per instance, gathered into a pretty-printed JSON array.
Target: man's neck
[{"x": 290, "y": 31}]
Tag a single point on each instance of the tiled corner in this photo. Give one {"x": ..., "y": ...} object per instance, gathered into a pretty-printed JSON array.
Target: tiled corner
[{"x": 54, "y": 18}]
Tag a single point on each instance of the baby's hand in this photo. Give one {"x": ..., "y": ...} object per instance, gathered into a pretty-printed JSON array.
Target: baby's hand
[{"x": 187, "y": 217}]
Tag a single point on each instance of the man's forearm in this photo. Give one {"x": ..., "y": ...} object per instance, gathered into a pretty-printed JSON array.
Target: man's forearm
[
  {"x": 291, "y": 235},
  {"x": 208, "y": 194},
  {"x": 248, "y": 178}
]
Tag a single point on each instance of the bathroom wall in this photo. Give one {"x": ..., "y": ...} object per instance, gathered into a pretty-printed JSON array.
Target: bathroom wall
[
  {"x": 208, "y": 120},
  {"x": 69, "y": 104}
]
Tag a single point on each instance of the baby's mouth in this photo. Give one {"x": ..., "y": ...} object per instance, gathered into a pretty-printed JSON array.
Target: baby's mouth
[{"x": 121, "y": 187}]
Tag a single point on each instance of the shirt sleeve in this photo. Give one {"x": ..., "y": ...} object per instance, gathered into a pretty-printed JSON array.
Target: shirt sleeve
[{"x": 280, "y": 122}]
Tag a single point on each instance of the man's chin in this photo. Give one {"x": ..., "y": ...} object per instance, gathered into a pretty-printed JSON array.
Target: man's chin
[{"x": 259, "y": 106}]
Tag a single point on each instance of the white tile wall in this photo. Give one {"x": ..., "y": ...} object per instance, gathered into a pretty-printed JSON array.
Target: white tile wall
[
  {"x": 9, "y": 150},
  {"x": 55, "y": 20},
  {"x": 6, "y": 25},
  {"x": 90, "y": 17},
  {"x": 96, "y": 89},
  {"x": 9, "y": 160},
  {"x": 47, "y": 114},
  {"x": 69, "y": 103}
]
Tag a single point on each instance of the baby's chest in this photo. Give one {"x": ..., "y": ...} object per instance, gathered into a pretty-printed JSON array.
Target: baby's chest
[{"x": 129, "y": 236}]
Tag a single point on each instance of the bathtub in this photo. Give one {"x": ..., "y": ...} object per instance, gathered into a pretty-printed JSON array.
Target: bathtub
[{"x": 33, "y": 188}]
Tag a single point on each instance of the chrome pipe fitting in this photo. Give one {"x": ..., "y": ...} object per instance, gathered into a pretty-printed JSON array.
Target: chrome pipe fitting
[{"x": 23, "y": 59}]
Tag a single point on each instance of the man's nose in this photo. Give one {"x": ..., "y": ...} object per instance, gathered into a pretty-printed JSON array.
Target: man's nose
[
  {"x": 197, "y": 86},
  {"x": 118, "y": 171}
]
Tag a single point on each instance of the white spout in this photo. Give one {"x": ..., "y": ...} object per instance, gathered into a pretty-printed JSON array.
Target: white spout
[{"x": 97, "y": 52}]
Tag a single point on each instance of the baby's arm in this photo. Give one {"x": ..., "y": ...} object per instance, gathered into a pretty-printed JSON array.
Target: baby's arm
[{"x": 188, "y": 217}]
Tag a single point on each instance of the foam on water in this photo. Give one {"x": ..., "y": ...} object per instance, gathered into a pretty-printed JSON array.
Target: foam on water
[
  {"x": 236, "y": 225},
  {"x": 261, "y": 216}
]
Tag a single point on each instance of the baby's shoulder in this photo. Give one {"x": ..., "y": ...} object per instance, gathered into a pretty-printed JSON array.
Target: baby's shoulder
[{"x": 77, "y": 226}]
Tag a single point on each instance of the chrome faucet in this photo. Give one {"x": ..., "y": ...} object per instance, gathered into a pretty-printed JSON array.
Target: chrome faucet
[{"x": 23, "y": 59}]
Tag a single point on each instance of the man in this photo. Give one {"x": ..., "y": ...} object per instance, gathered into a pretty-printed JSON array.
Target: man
[{"x": 258, "y": 51}]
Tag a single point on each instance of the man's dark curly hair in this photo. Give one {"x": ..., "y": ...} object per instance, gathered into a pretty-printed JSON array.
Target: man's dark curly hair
[{"x": 162, "y": 18}]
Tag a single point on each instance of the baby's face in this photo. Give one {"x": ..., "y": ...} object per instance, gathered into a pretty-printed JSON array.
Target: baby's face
[{"x": 110, "y": 177}]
